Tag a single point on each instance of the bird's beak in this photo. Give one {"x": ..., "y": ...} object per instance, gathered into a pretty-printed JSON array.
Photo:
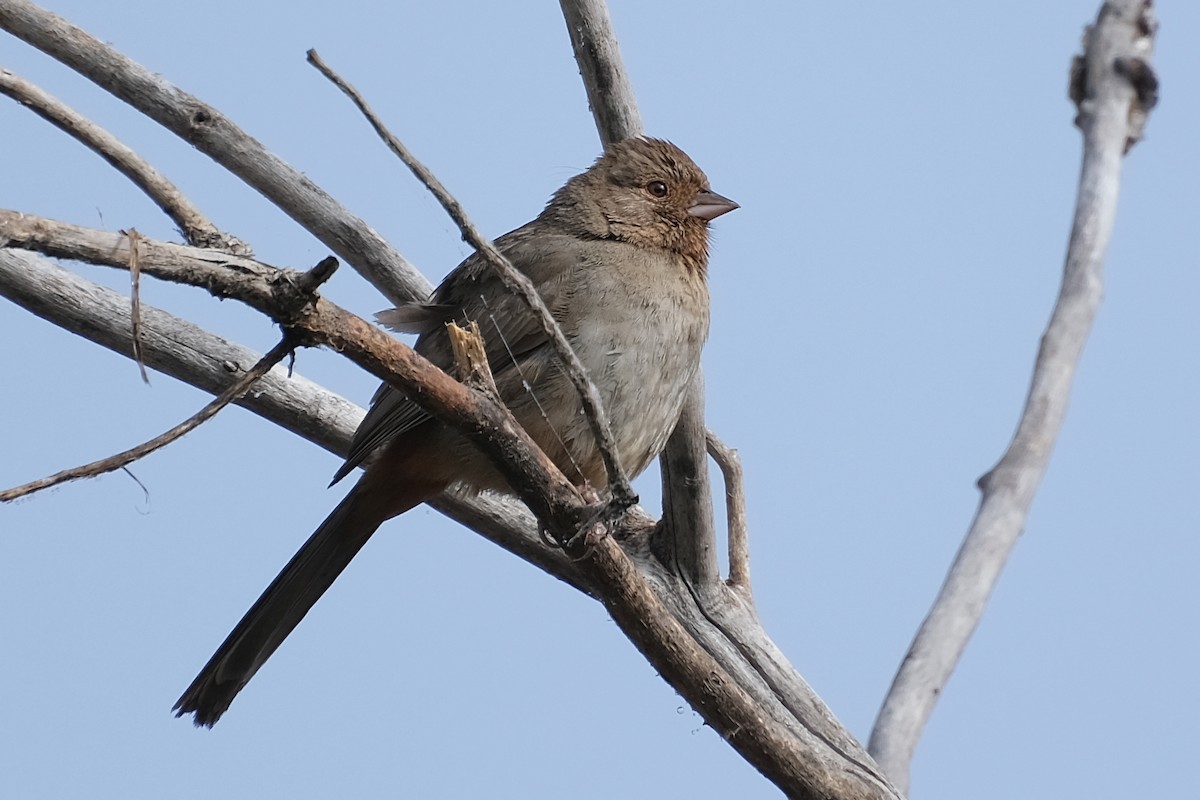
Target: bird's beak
[{"x": 708, "y": 205}]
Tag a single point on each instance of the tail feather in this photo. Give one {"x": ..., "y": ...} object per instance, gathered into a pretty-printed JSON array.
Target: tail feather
[{"x": 289, "y": 597}]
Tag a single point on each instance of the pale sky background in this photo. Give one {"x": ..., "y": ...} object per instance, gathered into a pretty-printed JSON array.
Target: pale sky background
[{"x": 907, "y": 176}]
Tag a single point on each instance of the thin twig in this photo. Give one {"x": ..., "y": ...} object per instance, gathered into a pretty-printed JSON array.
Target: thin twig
[
  {"x": 514, "y": 281},
  {"x": 196, "y": 228},
  {"x": 735, "y": 512},
  {"x": 120, "y": 460},
  {"x": 190, "y": 354},
  {"x": 135, "y": 300},
  {"x": 1113, "y": 99}
]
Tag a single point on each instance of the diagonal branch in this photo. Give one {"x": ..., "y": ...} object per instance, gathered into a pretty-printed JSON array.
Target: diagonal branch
[
  {"x": 622, "y": 493},
  {"x": 196, "y": 228},
  {"x": 106, "y": 248},
  {"x": 185, "y": 351},
  {"x": 114, "y": 462},
  {"x": 283, "y": 296},
  {"x": 1112, "y": 106}
]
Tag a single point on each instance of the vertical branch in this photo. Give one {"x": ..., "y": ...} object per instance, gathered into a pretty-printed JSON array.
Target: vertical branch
[
  {"x": 686, "y": 538},
  {"x": 1114, "y": 88},
  {"x": 609, "y": 92},
  {"x": 683, "y": 463},
  {"x": 735, "y": 513}
]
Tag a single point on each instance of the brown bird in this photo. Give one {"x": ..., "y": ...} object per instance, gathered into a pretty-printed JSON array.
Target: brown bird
[{"x": 620, "y": 256}]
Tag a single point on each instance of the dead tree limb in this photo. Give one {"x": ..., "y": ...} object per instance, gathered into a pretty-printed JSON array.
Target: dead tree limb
[
  {"x": 1114, "y": 87},
  {"x": 196, "y": 228},
  {"x": 123, "y": 459}
]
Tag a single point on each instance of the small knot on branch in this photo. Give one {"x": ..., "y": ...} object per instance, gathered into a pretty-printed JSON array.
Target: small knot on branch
[
  {"x": 308, "y": 282},
  {"x": 1141, "y": 76},
  {"x": 295, "y": 292},
  {"x": 1119, "y": 44}
]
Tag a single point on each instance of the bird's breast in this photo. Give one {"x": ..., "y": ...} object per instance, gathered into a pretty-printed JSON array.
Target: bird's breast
[{"x": 640, "y": 341}]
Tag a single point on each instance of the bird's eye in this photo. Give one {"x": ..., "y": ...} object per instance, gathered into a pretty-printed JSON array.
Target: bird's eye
[{"x": 657, "y": 188}]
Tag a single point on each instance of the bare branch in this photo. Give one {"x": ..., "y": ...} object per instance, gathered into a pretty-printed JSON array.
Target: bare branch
[
  {"x": 123, "y": 459},
  {"x": 698, "y": 675},
  {"x": 735, "y": 512},
  {"x": 196, "y": 228},
  {"x": 214, "y": 134},
  {"x": 609, "y": 91},
  {"x": 1112, "y": 107},
  {"x": 799, "y": 764},
  {"x": 687, "y": 537},
  {"x": 515, "y": 282}
]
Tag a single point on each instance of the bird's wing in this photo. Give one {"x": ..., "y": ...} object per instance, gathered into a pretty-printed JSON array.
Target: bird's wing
[{"x": 513, "y": 336}]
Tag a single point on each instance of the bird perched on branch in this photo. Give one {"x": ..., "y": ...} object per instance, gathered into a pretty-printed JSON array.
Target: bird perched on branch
[{"x": 619, "y": 256}]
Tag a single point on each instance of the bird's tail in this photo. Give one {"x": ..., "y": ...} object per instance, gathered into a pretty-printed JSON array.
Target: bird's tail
[{"x": 293, "y": 592}]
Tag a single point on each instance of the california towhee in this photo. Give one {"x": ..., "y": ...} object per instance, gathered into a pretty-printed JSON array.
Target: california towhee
[{"x": 619, "y": 256}]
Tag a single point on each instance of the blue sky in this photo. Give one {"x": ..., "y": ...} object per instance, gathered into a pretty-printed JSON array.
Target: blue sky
[{"x": 907, "y": 177}]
